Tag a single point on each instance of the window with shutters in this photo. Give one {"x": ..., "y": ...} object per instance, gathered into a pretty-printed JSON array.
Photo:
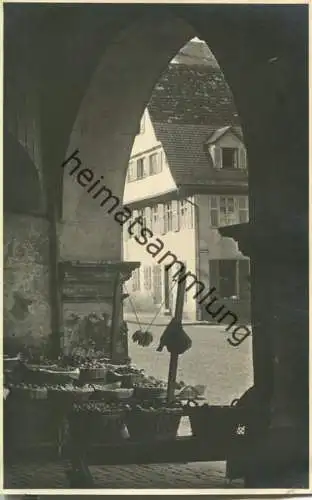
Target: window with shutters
[
  {"x": 227, "y": 210},
  {"x": 228, "y": 278},
  {"x": 185, "y": 214},
  {"x": 154, "y": 163},
  {"x": 227, "y": 214},
  {"x": 157, "y": 291},
  {"x": 168, "y": 217},
  {"x": 136, "y": 285},
  {"x": 147, "y": 278},
  {"x": 140, "y": 168},
  {"x": 229, "y": 158},
  {"x": 242, "y": 202}
]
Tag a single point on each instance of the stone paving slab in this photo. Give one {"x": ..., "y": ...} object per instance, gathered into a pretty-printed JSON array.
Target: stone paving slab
[{"x": 53, "y": 476}]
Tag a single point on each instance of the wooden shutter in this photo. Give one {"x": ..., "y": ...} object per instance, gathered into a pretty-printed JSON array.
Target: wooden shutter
[
  {"x": 175, "y": 216},
  {"x": 243, "y": 281},
  {"x": 190, "y": 211},
  {"x": 148, "y": 217},
  {"x": 155, "y": 224},
  {"x": 242, "y": 158},
  {"x": 161, "y": 208},
  {"x": 218, "y": 157},
  {"x": 214, "y": 275},
  {"x": 157, "y": 292}
]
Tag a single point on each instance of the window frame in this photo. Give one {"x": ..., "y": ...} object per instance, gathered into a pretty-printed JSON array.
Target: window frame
[
  {"x": 235, "y": 150},
  {"x": 228, "y": 217},
  {"x": 140, "y": 160},
  {"x": 157, "y": 169}
]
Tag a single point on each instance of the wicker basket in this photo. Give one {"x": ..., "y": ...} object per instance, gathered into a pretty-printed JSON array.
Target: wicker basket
[
  {"x": 149, "y": 393},
  {"x": 117, "y": 394},
  {"x": 70, "y": 396},
  {"x": 216, "y": 423},
  {"x": 153, "y": 424},
  {"x": 97, "y": 427}
]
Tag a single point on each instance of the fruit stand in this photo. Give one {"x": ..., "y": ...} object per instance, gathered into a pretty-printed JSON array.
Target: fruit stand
[{"x": 92, "y": 411}]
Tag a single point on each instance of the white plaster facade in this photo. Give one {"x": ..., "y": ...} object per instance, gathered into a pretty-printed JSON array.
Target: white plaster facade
[{"x": 187, "y": 229}]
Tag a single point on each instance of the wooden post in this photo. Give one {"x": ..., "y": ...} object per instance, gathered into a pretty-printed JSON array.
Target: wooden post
[
  {"x": 172, "y": 376},
  {"x": 115, "y": 327}
]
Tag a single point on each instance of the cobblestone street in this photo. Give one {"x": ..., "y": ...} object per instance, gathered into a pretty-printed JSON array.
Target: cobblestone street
[{"x": 193, "y": 475}]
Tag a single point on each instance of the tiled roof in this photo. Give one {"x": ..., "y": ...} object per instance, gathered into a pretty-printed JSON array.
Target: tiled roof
[
  {"x": 184, "y": 148},
  {"x": 193, "y": 94},
  {"x": 189, "y": 104},
  {"x": 190, "y": 164}
]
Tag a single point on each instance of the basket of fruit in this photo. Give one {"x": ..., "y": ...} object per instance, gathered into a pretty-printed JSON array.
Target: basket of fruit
[
  {"x": 128, "y": 375},
  {"x": 107, "y": 393},
  {"x": 149, "y": 389},
  {"x": 157, "y": 422},
  {"x": 97, "y": 422},
  {"x": 70, "y": 393}
]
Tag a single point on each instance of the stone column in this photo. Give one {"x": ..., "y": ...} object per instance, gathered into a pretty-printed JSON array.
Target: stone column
[{"x": 279, "y": 296}]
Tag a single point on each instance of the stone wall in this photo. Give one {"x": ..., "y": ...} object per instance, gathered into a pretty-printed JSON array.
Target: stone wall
[{"x": 26, "y": 281}]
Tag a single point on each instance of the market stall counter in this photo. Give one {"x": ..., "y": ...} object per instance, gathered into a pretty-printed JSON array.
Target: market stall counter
[{"x": 92, "y": 411}]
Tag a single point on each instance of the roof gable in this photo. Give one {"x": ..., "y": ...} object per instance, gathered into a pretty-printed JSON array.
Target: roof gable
[{"x": 221, "y": 132}]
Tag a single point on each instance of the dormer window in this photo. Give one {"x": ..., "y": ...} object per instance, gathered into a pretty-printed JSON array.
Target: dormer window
[
  {"x": 226, "y": 149},
  {"x": 229, "y": 158}
]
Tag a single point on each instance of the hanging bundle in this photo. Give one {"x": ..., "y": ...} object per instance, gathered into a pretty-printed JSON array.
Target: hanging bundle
[
  {"x": 175, "y": 338},
  {"x": 143, "y": 339}
]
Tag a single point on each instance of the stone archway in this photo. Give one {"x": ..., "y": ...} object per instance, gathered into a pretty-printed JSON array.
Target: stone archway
[{"x": 264, "y": 59}]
